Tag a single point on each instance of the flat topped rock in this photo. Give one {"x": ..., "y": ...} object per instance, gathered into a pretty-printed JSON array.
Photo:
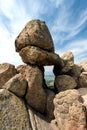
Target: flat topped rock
[{"x": 35, "y": 33}]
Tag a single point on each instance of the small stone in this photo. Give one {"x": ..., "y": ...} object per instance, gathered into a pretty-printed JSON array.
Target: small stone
[
  {"x": 17, "y": 85},
  {"x": 64, "y": 82},
  {"x": 7, "y": 71}
]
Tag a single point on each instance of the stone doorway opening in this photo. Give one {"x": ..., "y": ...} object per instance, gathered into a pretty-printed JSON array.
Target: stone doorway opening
[{"x": 49, "y": 76}]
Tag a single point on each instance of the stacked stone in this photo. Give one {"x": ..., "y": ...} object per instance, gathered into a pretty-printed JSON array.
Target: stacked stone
[
  {"x": 36, "y": 48},
  {"x": 22, "y": 88},
  {"x": 71, "y": 75}
]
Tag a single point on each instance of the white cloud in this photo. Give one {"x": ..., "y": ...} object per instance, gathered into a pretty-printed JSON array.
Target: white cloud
[
  {"x": 77, "y": 47},
  {"x": 19, "y": 12},
  {"x": 18, "y": 15}
]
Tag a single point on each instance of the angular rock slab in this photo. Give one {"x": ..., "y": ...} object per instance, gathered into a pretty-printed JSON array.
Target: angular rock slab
[
  {"x": 69, "y": 112},
  {"x": 64, "y": 82},
  {"x": 35, "y": 33},
  {"x": 17, "y": 85},
  {"x": 37, "y": 56},
  {"x": 38, "y": 121},
  {"x": 13, "y": 113},
  {"x": 7, "y": 71}
]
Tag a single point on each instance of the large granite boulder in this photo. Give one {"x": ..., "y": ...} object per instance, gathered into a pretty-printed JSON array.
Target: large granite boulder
[
  {"x": 13, "y": 113},
  {"x": 37, "y": 56},
  {"x": 35, "y": 33},
  {"x": 7, "y": 71},
  {"x": 69, "y": 111},
  {"x": 35, "y": 94},
  {"x": 64, "y": 82},
  {"x": 17, "y": 85}
]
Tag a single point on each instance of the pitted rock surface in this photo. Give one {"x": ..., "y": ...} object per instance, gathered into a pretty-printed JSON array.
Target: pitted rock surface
[
  {"x": 37, "y": 56},
  {"x": 69, "y": 112}
]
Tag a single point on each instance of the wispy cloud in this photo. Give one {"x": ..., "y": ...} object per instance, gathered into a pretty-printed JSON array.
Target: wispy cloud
[
  {"x": 77, "y": 47},
  {"x": 66, "y": 25},
  {"x": 66, "y": 20}
]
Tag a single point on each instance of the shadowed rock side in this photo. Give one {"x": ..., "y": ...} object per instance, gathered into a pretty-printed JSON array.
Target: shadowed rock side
[{"x": 26, "y": 102}]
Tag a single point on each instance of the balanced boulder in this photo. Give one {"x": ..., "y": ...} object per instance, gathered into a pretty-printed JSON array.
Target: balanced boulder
[{"x": 35, "y": 33}]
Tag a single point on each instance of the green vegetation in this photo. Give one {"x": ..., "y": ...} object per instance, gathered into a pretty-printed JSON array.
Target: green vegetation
[{"x": 49, "y": 80}]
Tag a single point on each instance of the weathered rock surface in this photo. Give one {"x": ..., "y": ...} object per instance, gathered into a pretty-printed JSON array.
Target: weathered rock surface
[
  {"x": 84, "y": 65},
  {"x": 13, "y": 114},
  {"x": 64, "y": 82},
  {"x": 36, "y": 95},
  {"x": 17, "y": 85},
  {"x": 38, "y": 121},
  {"x": 68, "y": 62},
  {"x": 37, "y": 56},
  {"x": 37, "y": 34},
  {"x": 7, "y": 71},
  {"x": 83, "y": 79},
  {"x": 69, "y": 112}
]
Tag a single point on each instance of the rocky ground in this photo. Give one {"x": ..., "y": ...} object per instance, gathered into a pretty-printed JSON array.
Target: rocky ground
[{"x": 26, "y": 102}]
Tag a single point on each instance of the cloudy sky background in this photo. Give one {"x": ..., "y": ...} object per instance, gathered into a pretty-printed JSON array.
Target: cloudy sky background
[{"x": 66, "y": 20}]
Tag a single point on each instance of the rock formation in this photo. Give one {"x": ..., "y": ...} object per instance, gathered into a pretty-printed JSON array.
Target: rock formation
[{"x": 26, "y": 102}]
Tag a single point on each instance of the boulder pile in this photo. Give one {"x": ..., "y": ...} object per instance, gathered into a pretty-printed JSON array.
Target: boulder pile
[{"x": 26, "y": 102}]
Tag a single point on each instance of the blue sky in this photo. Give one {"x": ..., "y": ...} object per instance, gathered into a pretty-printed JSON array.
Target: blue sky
[{"x": 66, "y": 20}]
